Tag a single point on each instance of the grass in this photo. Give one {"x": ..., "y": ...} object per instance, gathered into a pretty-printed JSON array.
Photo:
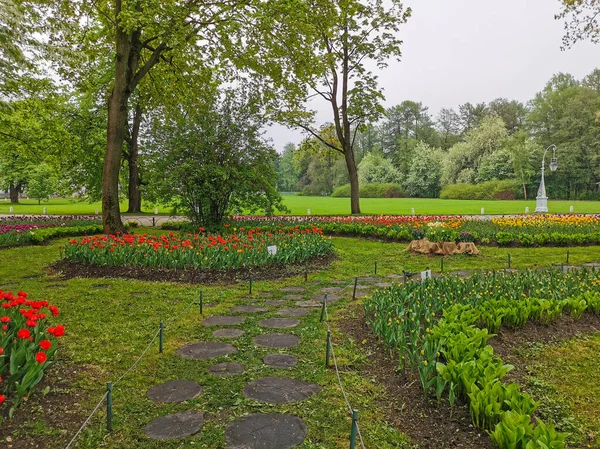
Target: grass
[
  {"x": 107, "y": 329},
  {"x": 321, "y": 205},
  {"x": 567, "y": 375},
  {"x": 67, "y": 206}
]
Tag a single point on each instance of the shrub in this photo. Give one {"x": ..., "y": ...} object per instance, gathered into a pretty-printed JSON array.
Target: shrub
[
  {"x": 504, "y": 238},
  {"x": 491, "y": 190},
  {"x": 373, "y": 190}
]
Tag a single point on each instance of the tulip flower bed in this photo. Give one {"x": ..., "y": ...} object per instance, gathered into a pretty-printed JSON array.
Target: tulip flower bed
[
  {"x": 25, "y": 229},
  {"x": 27, "y": 345},
  {"x": 240, "y": 249},
  {"x": 439, "y": 329},
  {"x": 524, "y": 230}
]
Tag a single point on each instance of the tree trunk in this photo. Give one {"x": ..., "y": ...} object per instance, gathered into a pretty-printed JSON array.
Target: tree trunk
[
  {"x": 525, "y": 191},
  {"x": 135, "y": 195},
  {"x": 353, "y": 175},
  {"x": 13, "y": 193}
]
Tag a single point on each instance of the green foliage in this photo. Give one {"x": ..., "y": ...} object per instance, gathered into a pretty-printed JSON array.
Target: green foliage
[
  {"x": 372, "y": 191},
  {"x": 42, "y": 183},
  {"x": 490, "y": 190},
  {"x": 425, "y": 172},
  {"x": 374, "y": 169}
]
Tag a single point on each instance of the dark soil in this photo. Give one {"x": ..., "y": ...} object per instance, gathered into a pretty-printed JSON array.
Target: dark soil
[
  {"x": 50, "y": 421},
  {"x": 429, "y": 424},
  {"x": 508, "y": 341},
  {"x": 69, "y": 270}
]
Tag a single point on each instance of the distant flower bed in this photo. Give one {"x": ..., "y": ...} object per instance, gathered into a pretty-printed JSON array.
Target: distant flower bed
[
  {"x": 28, "y": 229},
  {"x": 240, "y": 249},
  {"x": 523, "y": 230},
  {"x": 27, "y": 344}
]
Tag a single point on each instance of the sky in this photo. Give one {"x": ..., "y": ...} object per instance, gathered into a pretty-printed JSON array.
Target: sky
[{"x": 458, "y": 51}]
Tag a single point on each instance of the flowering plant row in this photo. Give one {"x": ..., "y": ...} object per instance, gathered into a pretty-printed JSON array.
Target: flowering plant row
[
  {"x": 241, "y": 248},
  {"x": 27, "y": 344},
  {"x": 525, "y": 230},
  {"x": 439, "y": 328}
]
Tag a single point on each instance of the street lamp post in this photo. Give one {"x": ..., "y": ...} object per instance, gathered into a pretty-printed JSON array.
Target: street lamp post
[{"x": 541, "y": 200}]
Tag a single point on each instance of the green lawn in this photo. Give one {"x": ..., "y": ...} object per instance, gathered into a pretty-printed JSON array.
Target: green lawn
[
  {"x": 320, "y": 205},
  {"x": 65, "y": 206},
  {"x": 107, "y": 328}
]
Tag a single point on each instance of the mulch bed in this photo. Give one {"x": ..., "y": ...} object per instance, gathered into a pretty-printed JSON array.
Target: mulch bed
[
  {"x": 68, "y": 270},
  {"x": 426, "y": 422}
]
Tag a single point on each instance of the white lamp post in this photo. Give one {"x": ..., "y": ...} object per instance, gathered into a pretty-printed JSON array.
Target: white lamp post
[{"x": 541, "y": 200}]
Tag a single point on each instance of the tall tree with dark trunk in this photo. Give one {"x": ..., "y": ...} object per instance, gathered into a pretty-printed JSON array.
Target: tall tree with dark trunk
[
  {"x": 133, "y": 144},
  {"x": 319, "y": 48}
]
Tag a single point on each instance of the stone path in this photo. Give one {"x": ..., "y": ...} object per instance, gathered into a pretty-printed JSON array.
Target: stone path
[{"x": 281, "y": 309}]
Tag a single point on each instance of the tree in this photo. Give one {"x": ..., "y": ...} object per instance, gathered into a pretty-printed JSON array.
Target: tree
[
  {"x": 582, "y": 21},
  {"x": 42, "y": 183},
  {"x": 406, "y": 124},
  {"x": 141, "y": 35},
  {"x": 319, "y": 48},
  {"x": 471, "y": 115},
  {"x": 211, "y": 160},
  {"x": 449, "y": 128},
  {"x": 374, "y": 168},
  {"x": 286, "y": 170},
  {"x": 424, "y": 176},
  {"x": 512, "y": 113}
]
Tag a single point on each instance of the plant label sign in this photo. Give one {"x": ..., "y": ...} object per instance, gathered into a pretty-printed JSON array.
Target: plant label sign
[
  {"x": 272, "y": 250},
  {"x": 426, "y": 274}
]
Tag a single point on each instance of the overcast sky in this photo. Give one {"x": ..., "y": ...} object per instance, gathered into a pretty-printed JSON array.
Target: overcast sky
[{"x": 458, "y": 51}]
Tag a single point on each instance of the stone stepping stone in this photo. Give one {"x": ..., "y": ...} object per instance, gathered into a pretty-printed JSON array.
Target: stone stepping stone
[
  {"x": 395, "y": 276},
  {"x": 331, "y": 290},
  {"x": 265, "y": 294},
  {"x": 292, "y": 312},
  {"x": 249, "y": 309},
  {"x": 174, "y": 391},
  {"x": 226, "y": 369},
  {"x": 252, "y": 300},
  {"x": 265, "y": 431},
  {"x": 307, "y": 304},
  {"x": 4, "y": 287},
  {"x": 223, "y": 320},
  {"x": 228, "y": 333},
  {"x": 592, "y": 265},
  {"x": 280, "y": 390},
  {"x": 177, "y": 425},
  {"x": 383, "y": 284},
  {"x": 279, "y": 323},
  {"x": 280, "y": 360},
  {"x": 293, "y": 289},
  {"x": 360, "y": 294},
  {"x": 275, "y": 302},
  {"x": 460, "y": 273},
  {"x": 206, "y": 350},
  {"x": 294, "y": 297},
  {"x": 276, "y": 340},
  {"x": 321, "y": 298},
  {"x": 369, "y": 279}
]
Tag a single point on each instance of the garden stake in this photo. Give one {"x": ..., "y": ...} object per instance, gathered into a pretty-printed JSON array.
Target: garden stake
[
  {"x": 323, "y": 308},
  {"x": 509, "y": 261},
  {"x": 328, "y": 349},
  {"x": 306, "y": 273},
  {"x": 201, "y": 300},
  {"x": 567, "y": 256},
  {"x": 353, "y": 429},
  {"x": 442, "y": 264},
  {"x": 153, "y": 222},
  {"x": 375, "y": 267},
  {"x": 250, "y": 285},
  {"x": 160, "y": 337},
  {"x": 109, "y": 406},
  {"x": 354, "y": 292}
]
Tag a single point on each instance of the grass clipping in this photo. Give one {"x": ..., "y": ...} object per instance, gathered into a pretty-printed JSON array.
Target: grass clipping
[{"x": 424, "y": 246}]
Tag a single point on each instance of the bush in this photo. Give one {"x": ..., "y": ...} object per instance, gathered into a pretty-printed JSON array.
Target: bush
[
  {"x": 490, "y": 190},
  {"x": 372, "y": 191}
]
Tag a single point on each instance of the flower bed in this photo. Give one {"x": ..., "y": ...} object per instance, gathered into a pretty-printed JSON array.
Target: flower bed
[
  {"x": 27, "y": 345},
  {"x": 240, "y": 249},
  {"x": 29, "y": 229},
  {"x": 439, "y": 328},
  {"x": 523, "y": 230}
]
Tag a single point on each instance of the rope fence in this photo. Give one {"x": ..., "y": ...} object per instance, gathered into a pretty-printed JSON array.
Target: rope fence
[{"x": 111, "y": 385}]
